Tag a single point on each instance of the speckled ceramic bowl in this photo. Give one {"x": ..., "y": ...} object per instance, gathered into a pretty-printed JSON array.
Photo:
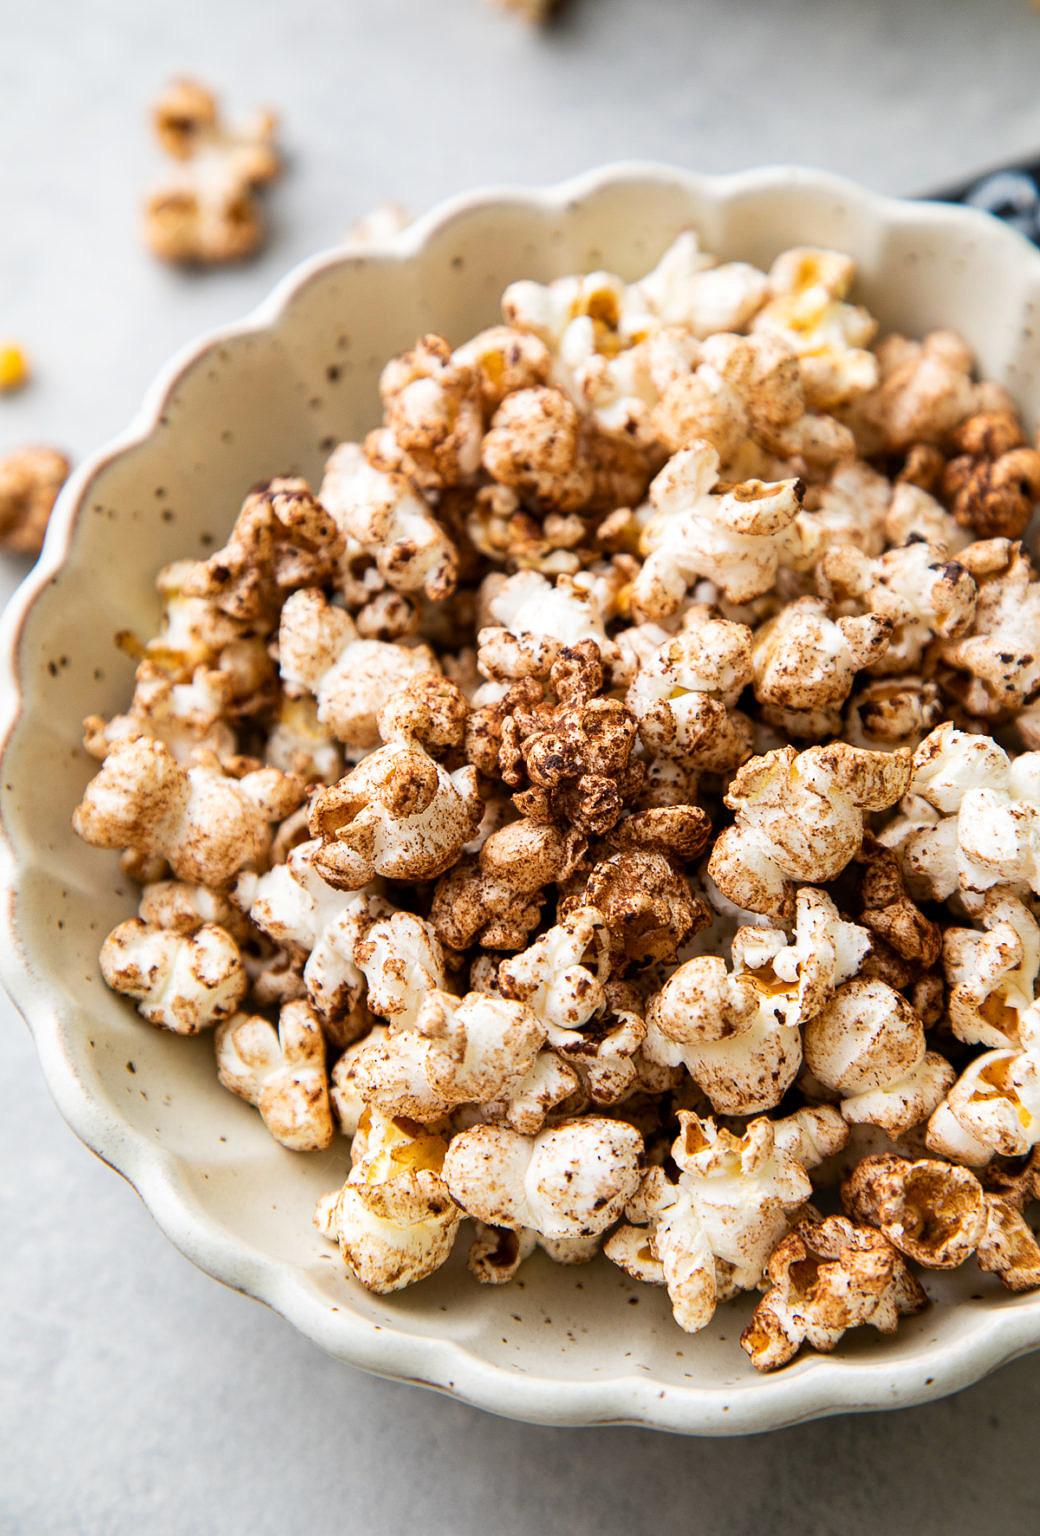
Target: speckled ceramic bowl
[{"x": 562, "y": 1346}]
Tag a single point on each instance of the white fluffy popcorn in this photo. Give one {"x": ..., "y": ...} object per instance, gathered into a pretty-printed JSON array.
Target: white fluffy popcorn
[
  {"x": 402, "y": 962},
  {"x": 399, "y": 813},
  {"x": 205, "y": 823},
  {"x": 992, "y": 974},
  {"x": 684, "y": 693},
  {"x": 321, "y": 652},
  {"x": 806, "y": 309},
  {"x": 394, "y": 1220},
  {"x": 457, "y": 1052},
  {"x": 282, "y": 1072},
  {"x": 383, "y": 517},
  {"x": 735, "y": 538},
  {"x": 987, "y": 832},
  {"x": 799, "y": 817},
  {"x": 183, "y": 982},
  {"x": 572, "y": 1180},
  {"x": 294, "y": 906},
  {"x": 994, "y": 1106},
  {"x": 552, "y": 978}
]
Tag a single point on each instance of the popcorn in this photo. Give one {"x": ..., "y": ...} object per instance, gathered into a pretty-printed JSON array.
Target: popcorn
[
  {"x": 394, "y": 1220},
  {"x": 383, "y": 518},
  {"x": 282, "y": 540},
  {"x": 294, "y": 906},
  {"x": 684, "y": 693},
  {"x": 924, "y": 391},
  {"x": 892, "y": 712},
  {"x": 207, "y": 210},
  {"x": 195, "y": 633},
  {"x": 183, "y": 716},
  {"x": 988, "y": 835},
  {"x": 183, "y": 982},
  {"x": 800, "y": 817},
  {"x": 14, "y": 368},
  {"x": 571, "y": 1181},
  {"x": 208, "y": 825},
  {"x": 932, "y": 1212},
  {"x": 321, "y": 651},
  {"x": 992, "y": 976},
  {"x": 806, "y": 309},
  {"x": 431, "y": 404},
  {"x": 30, "y": 479},
  {"x": 917, "y": 591},
  {"x": 398, "y": 813},
  {"x": 456, "y": 1052},
  {"x": 993, "y": 484},
  {"x": 282, "y": 1072},
  {"x": 867, "y": 1036},
  {"x": 804, "y": 664},
  {"x": 999, "y": 656},
  {"x": 422, "y": 767},
  {"x": 496, "y": 898},
  {"x": 551, "y": 978},
  {"x": 402, "y": 962},
  {"x": 826, "y": 1277},
  {"x": 534, "y": 448},
  {"x": 994, "y": 1106},
  {"x": 736, "y": 539},
  {"x": 505, "y": 361}
]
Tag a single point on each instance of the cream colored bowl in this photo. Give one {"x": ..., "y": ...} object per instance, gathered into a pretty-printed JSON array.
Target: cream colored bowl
[{"x": 561, "y": 1346}]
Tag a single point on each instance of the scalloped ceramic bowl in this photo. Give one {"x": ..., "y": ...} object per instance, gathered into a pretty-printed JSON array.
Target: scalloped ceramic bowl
[{"x": 563, "y": 1346}]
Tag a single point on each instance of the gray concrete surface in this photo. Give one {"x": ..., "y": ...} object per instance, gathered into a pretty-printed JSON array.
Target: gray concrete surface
[{"x": 135, "y": 1394}]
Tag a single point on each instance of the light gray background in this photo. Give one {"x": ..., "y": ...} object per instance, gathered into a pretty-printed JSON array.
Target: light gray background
[{"x": 135, "y": 1394}]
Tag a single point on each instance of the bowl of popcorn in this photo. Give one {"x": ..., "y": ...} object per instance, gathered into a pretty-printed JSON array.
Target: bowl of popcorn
[{"x": 521, "y": 799}]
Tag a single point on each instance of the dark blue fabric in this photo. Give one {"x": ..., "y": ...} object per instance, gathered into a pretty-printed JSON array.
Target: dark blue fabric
[{"x": 1010, "y": 193}]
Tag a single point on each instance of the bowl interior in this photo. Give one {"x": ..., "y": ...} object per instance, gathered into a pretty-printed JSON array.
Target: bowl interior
[{"x": 275, "y": 399}]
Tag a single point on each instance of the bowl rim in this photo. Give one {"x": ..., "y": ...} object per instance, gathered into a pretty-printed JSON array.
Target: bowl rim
[{"x": 819, "y": 1385}]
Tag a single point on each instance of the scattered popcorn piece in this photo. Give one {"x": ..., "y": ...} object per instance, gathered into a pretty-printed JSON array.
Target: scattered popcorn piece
[
  {"x": 551, "y": 978},
  {"x": 208, "y": 825},
  {"x": 432, "y": 410},
  {"x": 994, "y": 1106},
  {"x": 207, "y": 209},
  {"x": 573, "y": 1180},
  {"x": 1009, "y": 1248},
  {"x": 183, "y": 982},
  {"x": 684, "y": 693},
  {"x": 282, "y": 1072},
  {"x": 799, "y": 816},
  {"x": 30, "y": 479},
  {"x": 825, "y": 1278},
  {"x": 496, "y": 898},
  {"x": 294, "y": 906},
  {"x": 917, "y": 591},
  {"x": 867, "y": 1036},
  {"x": 992, "y": 975},
  {"x": 924, "y": 391},
  {"x": 987, "y": 830},
  {"x": 394, "y": 1220},
  {"x": 402, "y": 962}
]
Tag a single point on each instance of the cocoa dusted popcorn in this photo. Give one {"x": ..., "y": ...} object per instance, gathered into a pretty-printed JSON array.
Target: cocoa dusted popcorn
[
  {"x": 30, "y": 479},
  {"x": 604, "y": 800},
  {"x": 206, "y": 209}
]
